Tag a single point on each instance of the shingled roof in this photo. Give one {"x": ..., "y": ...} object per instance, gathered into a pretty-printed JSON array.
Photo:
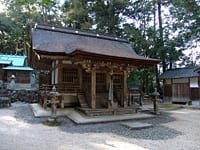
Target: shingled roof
[
  {"x": 180, "y": 73},
  {"x": 56, "y": 40}
]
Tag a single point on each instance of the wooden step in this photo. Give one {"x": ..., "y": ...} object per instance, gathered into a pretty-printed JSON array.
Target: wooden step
[
  {"x": 101, "y": 100},
  {"x": 82, "y": 100}
]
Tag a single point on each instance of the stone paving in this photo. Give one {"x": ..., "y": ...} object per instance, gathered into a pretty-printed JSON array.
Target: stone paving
[
  {"x": 80, "y": 118},
  {"x": 136, "y": 125},
  {"x": 174, "y": 130}
]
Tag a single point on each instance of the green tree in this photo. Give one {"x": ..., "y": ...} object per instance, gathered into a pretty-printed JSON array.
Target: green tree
[
  {"x": 108, "y": 15},
  {"x": 188, "y": 19},
  {"x": 76, "y": 14},
  {"x": 143, "y": 34},
  {"x": 23, "y": 14},
  {"x": 7, "y": 45},
  {"x": 152, "y": 35},
  {"x": 49, "y": 9}
]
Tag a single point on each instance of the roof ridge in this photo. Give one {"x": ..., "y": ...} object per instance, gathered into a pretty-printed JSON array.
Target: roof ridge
[
  {"x": 13, "y": 55},
  {"x": 79, "y": 32},
  {"x": 189, "y": 67}
]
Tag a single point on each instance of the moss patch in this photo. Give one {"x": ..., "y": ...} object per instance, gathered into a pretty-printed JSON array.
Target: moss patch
[
  {"x": 168, "y": 106},
  {"x": 51, "y": 123},
  {"x": 163, "y": 115}
]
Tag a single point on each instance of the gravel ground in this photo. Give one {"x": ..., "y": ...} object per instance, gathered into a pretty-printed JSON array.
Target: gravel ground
[{"x": 19, "y": 130}]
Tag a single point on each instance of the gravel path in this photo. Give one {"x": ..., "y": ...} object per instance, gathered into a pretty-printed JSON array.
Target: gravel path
[{"x": 19, "y": 130}]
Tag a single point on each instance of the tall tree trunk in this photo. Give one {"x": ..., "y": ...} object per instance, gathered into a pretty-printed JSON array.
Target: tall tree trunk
[
  {"x": 161, "y": 36},
  {"x": 160, "y": 22},
  {"x": 161, "y": 42}
]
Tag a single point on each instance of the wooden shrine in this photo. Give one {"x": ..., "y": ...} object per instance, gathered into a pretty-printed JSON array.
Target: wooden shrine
[{"x": 90, "y": 70}]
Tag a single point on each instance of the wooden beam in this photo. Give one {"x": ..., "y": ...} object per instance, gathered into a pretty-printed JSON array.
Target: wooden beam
[{"x": 52, "y": 57}]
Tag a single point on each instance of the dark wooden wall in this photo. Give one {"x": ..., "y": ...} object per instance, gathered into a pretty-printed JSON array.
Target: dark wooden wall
[
  {"x": 195, "y": 93},
  {"x": 168, "y": 90},
  {"x": 21, "y": 76}
]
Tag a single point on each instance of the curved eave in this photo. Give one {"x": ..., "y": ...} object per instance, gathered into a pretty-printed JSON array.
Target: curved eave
[
  {"x": 20, "y": 68},
  {"x": 41, "y": 52},
  {"x": 136, "y": 61}
]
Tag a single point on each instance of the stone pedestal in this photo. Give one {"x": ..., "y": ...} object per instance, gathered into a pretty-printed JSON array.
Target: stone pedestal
[{"x": 155, "y": 95}]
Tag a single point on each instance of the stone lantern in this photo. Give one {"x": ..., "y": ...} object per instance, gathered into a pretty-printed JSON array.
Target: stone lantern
[
  {"x": 156, "y": 96},
  {"x": 53, "y": 101}
]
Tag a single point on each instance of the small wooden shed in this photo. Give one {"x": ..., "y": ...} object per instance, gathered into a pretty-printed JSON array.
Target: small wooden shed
[
  {"x": 88, "y": 69},
  {"x": 14, "y": 65},
  {"x": 181, "y": 84}
]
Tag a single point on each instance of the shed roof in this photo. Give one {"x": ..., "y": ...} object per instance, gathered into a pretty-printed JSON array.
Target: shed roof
[
  {"x": 15, "y": 60},
  {"x": 57, "y": 40},
  {"x": 180, "y": 73},
  {"x": 7, "y": 62},
  {"x": 18, "y": 68}
]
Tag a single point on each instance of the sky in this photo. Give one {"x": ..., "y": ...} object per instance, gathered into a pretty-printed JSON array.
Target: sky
[
  {"x": 2, "y": 7},
  {"x": 62, "y": 1}
]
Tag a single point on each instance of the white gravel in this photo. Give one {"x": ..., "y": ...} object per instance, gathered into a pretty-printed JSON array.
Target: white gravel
[{"x": 19, "y": 130}]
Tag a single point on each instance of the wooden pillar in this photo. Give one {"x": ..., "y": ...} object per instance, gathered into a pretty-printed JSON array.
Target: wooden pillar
[
  {"x": 80, "y": 78},
  {"x": 93, "y": 88},
  {"x": 198, "y": 87},
  {"x": 53, "y": 72},
  {"x": 172, "y": 86},
  {"x": 108, "y": 78},
  {"x": 125, "y": 88},
  {"x": 110, "y": 97},
  {"x": 189, "y": 89}
]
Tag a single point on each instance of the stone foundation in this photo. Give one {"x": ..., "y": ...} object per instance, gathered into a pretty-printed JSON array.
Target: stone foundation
[{"x": 29, "y": 96}]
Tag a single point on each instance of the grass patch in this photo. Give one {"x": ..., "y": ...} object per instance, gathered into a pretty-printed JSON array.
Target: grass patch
[
  {"x": 163, "y": 115},
  {"x": 168, "y": 106},
  {"x": 51, "y": 123}
]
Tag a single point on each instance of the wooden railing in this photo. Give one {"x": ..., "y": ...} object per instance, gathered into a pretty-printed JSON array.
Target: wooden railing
[{"x": 63, "y": 88}]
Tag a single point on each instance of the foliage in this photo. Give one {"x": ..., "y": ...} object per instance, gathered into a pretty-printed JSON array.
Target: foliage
[
  {"x": 77, "y": 14},
  {"x": 156, "y": 28},
  {"x": 20, "y": 18},
  {"x": 188, "y": 18},
  {"x": 6, "y": 34},
  {"x": 107, "y": 15},
  {"x": 155, "y": 32}
]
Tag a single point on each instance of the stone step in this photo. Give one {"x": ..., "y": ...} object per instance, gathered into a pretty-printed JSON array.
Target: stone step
[
  {"x": 136, "y": 125},
  {"x": 5, "y": 101}
]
